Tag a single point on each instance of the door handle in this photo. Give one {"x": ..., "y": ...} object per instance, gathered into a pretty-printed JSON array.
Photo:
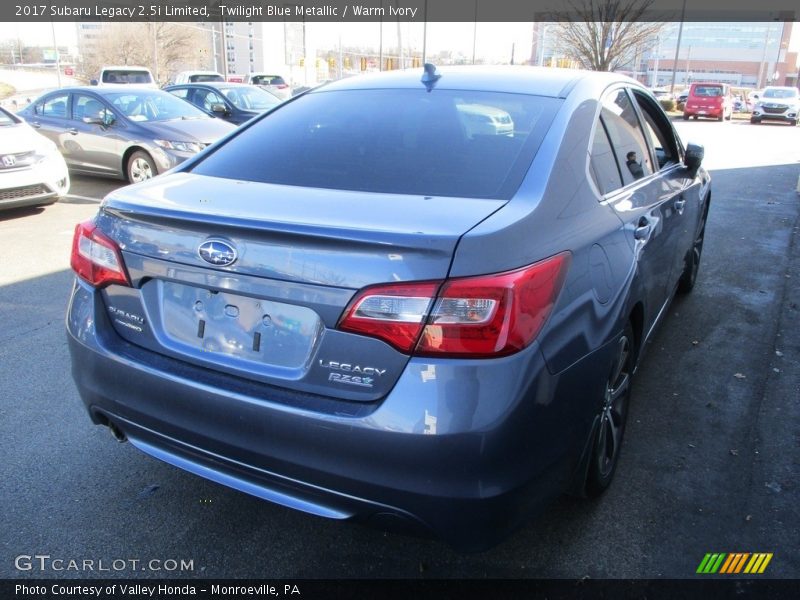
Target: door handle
[
  {"x": 73, "y": 131},
  {"x": 679, "y": 205},
  {"x": 36, "y": 124},
  {"x": 642, "y": 231}
]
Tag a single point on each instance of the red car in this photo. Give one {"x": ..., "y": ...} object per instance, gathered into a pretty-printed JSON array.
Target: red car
[{"x": 709, "y": 100}]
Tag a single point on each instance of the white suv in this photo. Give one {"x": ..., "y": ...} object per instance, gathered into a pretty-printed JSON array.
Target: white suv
[
  {"x": 124, "y": 76},
  {"x": 777, "y": 104}
]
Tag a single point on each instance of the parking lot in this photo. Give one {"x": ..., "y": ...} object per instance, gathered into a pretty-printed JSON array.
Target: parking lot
[{"x": 711, "y": 460}]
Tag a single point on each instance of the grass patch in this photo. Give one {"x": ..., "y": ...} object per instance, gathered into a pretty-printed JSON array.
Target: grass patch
[{"x": 6, "y": 90}]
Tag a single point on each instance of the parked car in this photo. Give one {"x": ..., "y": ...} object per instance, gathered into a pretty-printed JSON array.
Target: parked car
[
  {"x": 777, "y": 103},
  {"x": 197, "y": 77},
  {"x": 234, "y": 102},
  {"x": 32, "y": 172},
  {"x": 271, "y": 82},
  {"x": 683, "y": 96},
  {"x": 709, "y": 100},
  {"x": 125, "y": 76},
  {"x": 132, "y": 133},
  {"x": 383, "y": 318}
]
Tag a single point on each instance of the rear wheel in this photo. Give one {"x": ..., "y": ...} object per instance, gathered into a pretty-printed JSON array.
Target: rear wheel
[
  {"x": 614, "y": 413},
  {"x": 793, "y": 122},
  {"x": 140, "y": 167},
  {"x": 685, "y": 117}
]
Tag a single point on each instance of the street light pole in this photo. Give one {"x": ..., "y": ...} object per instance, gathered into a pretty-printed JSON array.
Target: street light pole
[
  {"x": 677, "y": 50},
  {"x": 58, "y": 57}
]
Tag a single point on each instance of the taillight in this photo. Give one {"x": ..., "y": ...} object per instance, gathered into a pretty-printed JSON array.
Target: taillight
[
  {"x": 96, "y": 258},
  {"x": 474, "y": 317},
  {"x": 282, "y": 86},
  {"x": 393, "y": 312}
]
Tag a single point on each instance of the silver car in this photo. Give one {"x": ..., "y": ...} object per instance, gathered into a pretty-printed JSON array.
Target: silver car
[{"x": 133, "y": 133}]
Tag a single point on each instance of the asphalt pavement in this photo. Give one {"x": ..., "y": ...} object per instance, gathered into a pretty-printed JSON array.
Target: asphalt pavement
[{"x": 711, "y": 460}]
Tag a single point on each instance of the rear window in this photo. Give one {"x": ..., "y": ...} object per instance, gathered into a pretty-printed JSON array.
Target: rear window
[
  {"x": 443, "y": 143},
  {"x": 267, "y": 80},
  {"x": 709, "y": 91},
  {"x": 205, "y": 78},
  {"x": 126, "y": 76}
]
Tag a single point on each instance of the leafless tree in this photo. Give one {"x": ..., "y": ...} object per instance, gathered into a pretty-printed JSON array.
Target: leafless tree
[
  {"x": 176, "y": 45},
  {"x": 604, "y": 35}
]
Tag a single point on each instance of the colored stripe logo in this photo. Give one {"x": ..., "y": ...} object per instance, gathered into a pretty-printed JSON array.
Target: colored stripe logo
[{"x": 734, "y": 563}]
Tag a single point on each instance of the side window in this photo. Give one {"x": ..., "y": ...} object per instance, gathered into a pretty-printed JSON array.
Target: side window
[
  {"x": 55, "y": 106},
  {"x": 181, "y": 93},
  {"x": 210, "y": 99},
  {"x": 603, "y": 163},
  {"x": 658, "y": 131},
  {"x": 84, "y": 106},
  {"x": 622, "y": 124}
]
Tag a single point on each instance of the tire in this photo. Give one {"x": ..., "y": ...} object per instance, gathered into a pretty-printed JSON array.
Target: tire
[
  {"x": 793, "y": 122},
  {"x": 754, "y": 121},
  {"x": 695, "y": 117},
  {"x": 140, "y": 167},
  {"x": 721, "y": 116},
  {"x": 685, "y": 117},
  {"x": 692, "y": 260},
  {"x": 613, "y": 415}
]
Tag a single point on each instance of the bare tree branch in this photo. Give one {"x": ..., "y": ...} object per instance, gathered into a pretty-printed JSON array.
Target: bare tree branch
[{"x": 604, "y": 35}]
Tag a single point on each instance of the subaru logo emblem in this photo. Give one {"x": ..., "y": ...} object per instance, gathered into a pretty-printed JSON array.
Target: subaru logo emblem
[
  {"x": 9, "y": 160},
  {"x": 217, "y": 253}
]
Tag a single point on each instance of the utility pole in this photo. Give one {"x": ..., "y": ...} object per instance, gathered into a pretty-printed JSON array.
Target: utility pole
[
  {"x": 58, "y": 56},
  {"x": 677, "y": 50}
]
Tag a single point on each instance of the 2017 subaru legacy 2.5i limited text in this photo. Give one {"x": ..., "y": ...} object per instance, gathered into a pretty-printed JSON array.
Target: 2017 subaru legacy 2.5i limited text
[{"x": 397, "y": 313}]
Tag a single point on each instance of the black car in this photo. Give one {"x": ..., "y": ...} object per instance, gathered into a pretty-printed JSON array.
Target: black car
[{"x": 234, "y": 102}]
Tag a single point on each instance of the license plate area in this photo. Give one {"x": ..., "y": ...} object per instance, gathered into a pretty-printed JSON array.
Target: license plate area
[{"x": 226, "y": 327}]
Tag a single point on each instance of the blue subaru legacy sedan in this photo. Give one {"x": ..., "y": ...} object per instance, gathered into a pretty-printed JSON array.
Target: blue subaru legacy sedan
[{"x": 414, "y": 299}]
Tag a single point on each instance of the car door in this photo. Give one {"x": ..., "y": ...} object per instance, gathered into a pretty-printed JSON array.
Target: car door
[
  {"x": 684, "y": 208},
  {"x": 50, "y": 118},
  {"x": 643, "y": 200},
  {"x": 94, "y": 147}
]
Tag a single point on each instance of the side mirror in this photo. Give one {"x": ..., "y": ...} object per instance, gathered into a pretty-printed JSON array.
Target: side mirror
[
  {"x": 108, "y": 118},
  {"x": 694, "y": 156},
  {"x": 219, "y": 109},
  {"x": 93, "y": 82}
]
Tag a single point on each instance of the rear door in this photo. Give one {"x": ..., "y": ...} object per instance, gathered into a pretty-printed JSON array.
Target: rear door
[
  {"x": 51, "y": 119},
  {"x": 638, "y": 193}
]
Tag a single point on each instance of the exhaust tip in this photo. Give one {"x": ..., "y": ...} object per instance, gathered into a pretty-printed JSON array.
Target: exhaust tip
[{"x": 117, "y": 433}]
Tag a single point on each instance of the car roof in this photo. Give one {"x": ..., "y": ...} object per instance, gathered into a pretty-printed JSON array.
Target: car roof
[
  {"x": 212, "y": 84},
  {"x": 103, "y": 91},
  {"x": 538, "y": 81}
]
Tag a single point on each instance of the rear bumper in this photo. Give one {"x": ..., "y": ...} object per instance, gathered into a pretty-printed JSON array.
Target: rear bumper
[{"x": 465, "y": 450}]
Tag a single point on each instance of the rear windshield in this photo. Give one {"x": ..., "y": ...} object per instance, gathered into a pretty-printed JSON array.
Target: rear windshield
[
  {"x": 126, "y": 76},
  {"x": 205, "y": 78},
  {"x": 443, "y": 143},
  {"x": 267, "y": 80},
  {"x": 711, "y": 91}
]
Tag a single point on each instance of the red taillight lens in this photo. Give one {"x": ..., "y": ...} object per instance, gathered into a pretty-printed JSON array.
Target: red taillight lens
[
  {"x": 282, "y": 86},
  {"x": 493, "y": 315},
  {"x": 95, "y": 258},
  {"x": 473, "y": 317},
  {"x": 394, "y": 313}
]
